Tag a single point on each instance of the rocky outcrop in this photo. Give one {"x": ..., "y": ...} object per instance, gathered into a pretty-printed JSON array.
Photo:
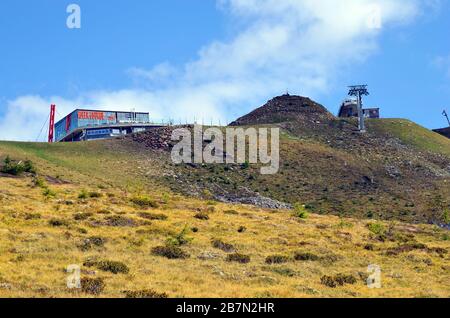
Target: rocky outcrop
[
  {"x": 157, "y": 138},
  {"x": 286, "y": 108}
]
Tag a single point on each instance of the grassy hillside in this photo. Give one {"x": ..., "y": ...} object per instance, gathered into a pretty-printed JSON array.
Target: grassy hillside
[
  {"x": 412, "y": 134},
  {"x": 398, "y": 170},
  {"x": 119, "y": 209},
  {"x": 114, "y": 236}
]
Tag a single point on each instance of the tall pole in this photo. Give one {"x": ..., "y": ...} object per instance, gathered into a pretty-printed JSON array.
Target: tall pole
[
  {"x": 446, "y": 115},
  {"x": 361, "y": 125},
  {"x": 359, "y": 91},
  {"x": 51, "y": 127}
]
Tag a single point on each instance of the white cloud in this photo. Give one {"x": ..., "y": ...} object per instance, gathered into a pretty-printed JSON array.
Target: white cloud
[{"x": 298, "y": 45}]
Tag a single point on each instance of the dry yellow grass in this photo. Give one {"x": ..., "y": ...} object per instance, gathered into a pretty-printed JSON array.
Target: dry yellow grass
[{"x": 35, "y": 254}]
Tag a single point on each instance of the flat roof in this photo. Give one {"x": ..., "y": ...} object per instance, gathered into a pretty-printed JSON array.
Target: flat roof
[{"x": 102, "y": 111}]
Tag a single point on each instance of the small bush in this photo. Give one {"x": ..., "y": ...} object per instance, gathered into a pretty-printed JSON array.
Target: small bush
[
  {"x": 58, "y": 222},
  {"x": 144, "y": 201},
  {"x": 48, "y": 193},
  {"x": 329, "y": 259},
  {"x": 153, "y": 216},
  {"x": 328, "y": 281},
  {"x": 93, "y": 286},
  {"x": 446, "y": 216},
  {"x": 147, "y": 293},
  {"x": 376, "y": 228},
  {"x": 300, "y": 211},
  {"x": 119, "y": 221},
  {"x": 239, "y": 258},
  {"x": 300, "y": 256},
  {"x": 96, "y": 241},
  {"x": 28, "y": 166},
  {"x": 342, "y": 279},
  {"x": 83, "y": 195},
  {"x": 39, "y": 182},
  {"x": 228, "y": 248},
  {"x": 17, "y": 168},
  {"x": 113, "y": 267},
  {"x": 202, "y": 216},
  {"x": 242, "y": 229},
  {"x": 405, "y": 248},
  {"x": 32, "y": 216},
  {"x": 180, "y": 238},
  {"x": 283, "y": 271},
  {"x": 338, "y": 280},
  {"x": 170, "y": 252},
  {"x": 276, "y": 259},
  {"x": 82, "y": 216},
  {"x": 94, "y": 194},
  {"x": 369, "y": 247}
]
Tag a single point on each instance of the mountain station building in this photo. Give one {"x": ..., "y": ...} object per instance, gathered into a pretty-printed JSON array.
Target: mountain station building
[{"x": 84, "y": 124}]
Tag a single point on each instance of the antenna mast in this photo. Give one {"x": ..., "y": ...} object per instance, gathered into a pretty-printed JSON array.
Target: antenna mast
[
  {"x": 359, "y": 91},
  {"x": 446, "y": 116},
  {"x": 51, "y": 127}
]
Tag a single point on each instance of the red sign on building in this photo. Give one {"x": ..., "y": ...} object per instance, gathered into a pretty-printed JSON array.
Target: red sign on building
[{"x": 82, "y": 114}]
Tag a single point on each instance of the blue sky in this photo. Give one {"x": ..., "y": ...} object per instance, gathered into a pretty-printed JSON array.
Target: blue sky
[{"x": 217, "y": 60}]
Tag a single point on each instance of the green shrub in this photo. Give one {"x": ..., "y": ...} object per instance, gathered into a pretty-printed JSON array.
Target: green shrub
[
  {"x": 202, "y": 216},
  {"x": 170, "y": 252},
  {"x": 300, "y": 211},
  {"x": 153, "y": 216},
  {"x": 113, "y": 267},
  {"x": 147, "y": 293},
  {"x": 342, "y": 279},
  {"x": 446, "y": 216},
  {"x": 94, "y": 194},
  {"x": 39, "y": 182},
  {"x": 144, "y": 201},
  {"x": 300, "y": 256},
  {"x": 328, "y": 281},
  {"x": 376, "y": 228},
  {"x": 93, "y": 286},
  {"x": 276, "y": 259},
  {"x": 58, "y": 222},
  {"x": 239, "y": 258},
  {"x": 83, "y": 194},
  {"x": 82, "y": 216},
  {"x": 96, "y": 241},
  {"x": 120, "y": 221},
  {"x": 283, "y": 271},
  {"x": 32, "y": 216},
  {"x": 48, "y": 193},
  {"x": 17, "y": 168},
  {"x": 228, "y": 248},
  {"x": 338, "y": 280},
  {"x": 28, "y": 166},
  {"x": 180, "y": 238}
]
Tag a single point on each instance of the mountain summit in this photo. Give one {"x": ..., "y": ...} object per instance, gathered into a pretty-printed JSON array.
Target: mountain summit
[{"x": 286, "y": 108}]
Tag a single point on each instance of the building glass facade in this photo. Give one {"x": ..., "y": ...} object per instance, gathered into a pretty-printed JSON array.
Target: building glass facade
[{"x": 85, "y": 119}]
